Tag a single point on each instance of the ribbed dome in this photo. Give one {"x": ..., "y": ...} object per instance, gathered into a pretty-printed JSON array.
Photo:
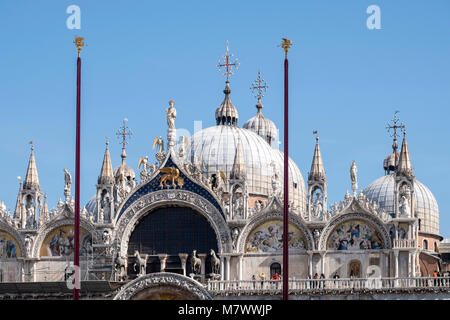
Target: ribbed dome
[
  {"x": 126, "y": 170},
  {"x": 262, "y": 126},
  {"x": 217, "y": 148},
  {"x": 226, "y": 113},
  {"x": 91, "y": 206},
  {"x": 382, "y": 192}
]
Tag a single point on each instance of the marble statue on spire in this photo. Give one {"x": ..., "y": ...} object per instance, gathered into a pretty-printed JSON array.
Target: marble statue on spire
[
  {"x": 354, "y": 177},
  {"x": 171, "y": 113}
]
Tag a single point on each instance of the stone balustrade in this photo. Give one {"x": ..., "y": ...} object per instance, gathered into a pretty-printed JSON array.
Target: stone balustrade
[
  {"x": 404, "y": 243},
  {"x": 305, "y": 286}
]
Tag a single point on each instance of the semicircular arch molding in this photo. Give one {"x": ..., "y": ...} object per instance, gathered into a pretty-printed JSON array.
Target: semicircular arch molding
[
  {"x": 147, "y": 203},
  {"x": 45, "y": 230},
  {"x": 260, "y": 219},
  {"x": 369, "y": 219},
  {"x": 178, "y": 285},
  {"x": 11, "y": 232}
]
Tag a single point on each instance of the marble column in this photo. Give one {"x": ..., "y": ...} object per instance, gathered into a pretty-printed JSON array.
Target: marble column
[
  {"x": 322, "y": 262},
  {"x": 228, "y": 268},
  {"x": 310, "y": 261},
  {"x": 202, "y": 257},
  {"x": 222, "y": 268},
  {"x": 162, "y": 261},
  {"x": 183, "y": 259},
  {"x": 396, "y": 263},
  {"x": 240, "y": 267},
  {"x": 413, "y": 264}
]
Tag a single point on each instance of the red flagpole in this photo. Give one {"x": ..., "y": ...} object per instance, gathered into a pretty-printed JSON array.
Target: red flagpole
[
  {"x": 286, "y": 44},
  {"x": 76, "y": 256}
]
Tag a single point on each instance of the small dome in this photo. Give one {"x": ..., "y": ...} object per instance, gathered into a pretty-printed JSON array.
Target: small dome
[
  {"x": 262, "y": 126},
  {"x": 390, "y": 162},
  {"x": 226, "y": 113},
  {"x": 217, "y": 147},
  {"x": 382, "y": 192},
  {"x": 124, "y": 169},
  {"x": 91, "y": 206}
]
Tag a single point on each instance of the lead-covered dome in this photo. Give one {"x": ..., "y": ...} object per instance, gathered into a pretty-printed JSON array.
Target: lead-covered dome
[
  {"x": 262, "y": 126},
  {"x": 382, "y": 192},
  {"x": 217, "y": 147}
]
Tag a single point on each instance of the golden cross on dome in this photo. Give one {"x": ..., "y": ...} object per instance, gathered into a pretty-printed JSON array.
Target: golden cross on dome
[
  {"x": 259, "y": 86},
  {"x": 227, "y": 64},
  {"x": 396, "y": 124},
  {"x": 123, "y": 132}
]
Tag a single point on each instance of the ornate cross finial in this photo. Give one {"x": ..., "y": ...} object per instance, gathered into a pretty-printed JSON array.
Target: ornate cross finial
[
  {"x": 259, "y": 86},
  {"x": 393, "y": 126},
  {"x": 123, "y": 132},
  {"x": 107, "y": 142},
  {"x": 286, "y": 44},
  {"x": 228, "y": 64},
  {"x": 79, "y": 43},
  {"x": 316, "y": 132},
  {"x": 32, "y": 145}
]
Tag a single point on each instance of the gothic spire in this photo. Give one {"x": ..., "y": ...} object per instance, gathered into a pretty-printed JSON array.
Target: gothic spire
[
  {"x": 31, "y": 179},
  {"x": 404, "y": 162},
  {"x": 17, "y": 211},
  {"x": 106, "y": 174},
  {"x": 238, "y": 169},
  {"x": 317, "y": 172}
]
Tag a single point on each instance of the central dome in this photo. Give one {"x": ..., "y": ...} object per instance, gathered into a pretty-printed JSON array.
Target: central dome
[{"x": 217, "y": 147}]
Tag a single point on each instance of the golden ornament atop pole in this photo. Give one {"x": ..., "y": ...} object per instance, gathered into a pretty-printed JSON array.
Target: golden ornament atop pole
[
  {"x": 79, "y": 44},
  {"x": 286, "y": 44}
]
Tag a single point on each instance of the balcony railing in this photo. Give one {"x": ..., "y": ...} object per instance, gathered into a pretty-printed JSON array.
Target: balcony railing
[
  {"x": 253, "y": 287},
  {"x": 404, "y": 243}
]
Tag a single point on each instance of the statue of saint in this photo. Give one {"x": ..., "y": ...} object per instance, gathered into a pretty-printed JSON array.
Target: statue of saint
[
  {"x": 317, "y": 206},
  {"x": 354, "y": 176},
  {"x": 67, "y": 180},
  {"x": 405, "y": 210},
  {"x": 171, "y": 115}
]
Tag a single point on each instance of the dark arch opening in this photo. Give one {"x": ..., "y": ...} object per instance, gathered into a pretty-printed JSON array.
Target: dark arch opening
[{"x": 171, "y": 231}]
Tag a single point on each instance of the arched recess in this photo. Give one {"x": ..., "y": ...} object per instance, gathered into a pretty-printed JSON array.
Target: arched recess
[
  {"x": 149, "y": 202},
  {"x": 262, "y": 219},
  {"x": 163, "y": 286},
  {"x": 66, "y": 223},
  {"x": 11, "y": 242},
  {"x": 373, "y": 227},
  {"x": 172, "y": 230}
]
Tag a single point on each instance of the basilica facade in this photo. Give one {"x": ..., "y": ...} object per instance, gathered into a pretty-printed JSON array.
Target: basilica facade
[{"x": 210, "y": 208}]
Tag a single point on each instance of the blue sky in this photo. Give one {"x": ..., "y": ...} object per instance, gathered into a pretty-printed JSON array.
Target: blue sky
[{"x": 345, "y": 81}]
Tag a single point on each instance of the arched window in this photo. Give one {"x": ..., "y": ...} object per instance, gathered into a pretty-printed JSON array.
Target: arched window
[
  {"x": 275, "y": 268},
  {"x": 1, "y": 275},
  {"x": 436, "y": 249},
  {"x": 425, "y": 244}
]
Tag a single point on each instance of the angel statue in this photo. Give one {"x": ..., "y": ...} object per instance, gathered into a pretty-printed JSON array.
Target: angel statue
[
  {"x": 171, "y": 115},
  {"x": 145, "y": 167},
  {"x": 183, "y": 144},
  {"x": 67, "y": 181},
  {"x": 160, "y": 154},
  {"x": 354, "y": 177},
  {"x": 160, "y": 143}
]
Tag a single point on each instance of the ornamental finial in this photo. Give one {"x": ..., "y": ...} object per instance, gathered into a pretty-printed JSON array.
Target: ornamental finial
[
  {"x": 258, "y": 87},
  {"x": 227, "y": 64},
  {"x": 79, "y": 43},
  {"x": 286, "y": 44}
]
